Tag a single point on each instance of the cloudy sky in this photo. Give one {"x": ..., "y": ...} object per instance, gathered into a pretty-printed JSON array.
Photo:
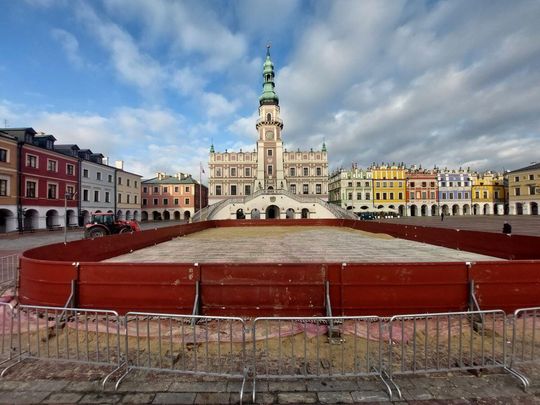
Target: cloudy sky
[{"x": 154, "y": 83}]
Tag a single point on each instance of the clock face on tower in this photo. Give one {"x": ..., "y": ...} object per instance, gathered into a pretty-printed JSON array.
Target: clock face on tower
[{"x": 269, "y": 135}]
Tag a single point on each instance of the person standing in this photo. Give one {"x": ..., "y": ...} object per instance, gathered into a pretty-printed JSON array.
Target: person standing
[
  {"x": 507, "y": 228},
  {"x": 442, "y": 216}
]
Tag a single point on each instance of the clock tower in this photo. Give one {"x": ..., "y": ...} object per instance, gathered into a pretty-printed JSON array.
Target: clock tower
[{"x": 270, "y": 173}]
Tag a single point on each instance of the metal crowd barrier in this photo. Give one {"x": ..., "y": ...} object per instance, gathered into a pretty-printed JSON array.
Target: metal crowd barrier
[
  {"x": 526, "y": 336},
  {"x": 322, "y": 347},
  {"x": 271, "y": 347},
  {"x": 9, "y": 266},
  {"x": 187, "y": 344}
]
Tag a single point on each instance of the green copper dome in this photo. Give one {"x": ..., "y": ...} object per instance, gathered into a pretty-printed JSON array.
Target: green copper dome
[{"x": 268, "y": 95}]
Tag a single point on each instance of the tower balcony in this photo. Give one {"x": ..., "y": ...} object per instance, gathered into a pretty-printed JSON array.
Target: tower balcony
[{"x": 274, "y": 121}]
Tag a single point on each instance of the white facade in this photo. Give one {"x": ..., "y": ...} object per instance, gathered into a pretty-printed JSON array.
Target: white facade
[{"x": 97, "y": 188}]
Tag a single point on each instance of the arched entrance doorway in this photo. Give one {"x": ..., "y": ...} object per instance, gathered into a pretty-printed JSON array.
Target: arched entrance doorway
[
  {"x": 305, "y": 213},
  {"x": 71, "y": 219},
  {"x": 177, "y": 215},
  {"x": 401, "y": 210},
  {"x": 466, "y": 209},
  {"x": 166, "y": 215},
  {"x": 272, "y": 212},
  {"x": 51, "y": 219},
  {"x": 255, "y": 214},
  {"x": 144, "y": 216},
  {"x": 128, "y": 215},
  {"x": 289, "y": 214},
  {"x": 519, "y": 209},
  {"x": 486, "y": 209},
  {"x": 31, "y": 219},
  {"x": 240, "y": 214},
  {"x": 119, "y": 215},
  {"x": 187, "y": 215},
  {"x": 156, "y": 216},
  {"x": 534, "y": 208},
  {"x": 413, "y": 211},
  {"x": 424, "y": 210},
  {"x": 455, "y": 209},
  {"x": 6, "y": 217},
  {"x": 434, "y": 211}
]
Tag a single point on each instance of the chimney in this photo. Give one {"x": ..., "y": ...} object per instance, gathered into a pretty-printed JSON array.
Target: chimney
[
  {"x": 105, "y": 160},
  {"x": 160, "y": 175},
  {"x": 119, "y": 164},
  {"x": 180, "y": 176}
]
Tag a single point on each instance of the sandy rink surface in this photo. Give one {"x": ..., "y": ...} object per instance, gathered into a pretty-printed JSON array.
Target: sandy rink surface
[{"x": 290, "y": 244}]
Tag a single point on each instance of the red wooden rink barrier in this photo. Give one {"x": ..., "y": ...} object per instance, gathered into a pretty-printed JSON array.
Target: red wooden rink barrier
[
  {"x": 263, "y": 289},
  {"x": 296, "y": 289},
  {"x": 506, "y": 285}
]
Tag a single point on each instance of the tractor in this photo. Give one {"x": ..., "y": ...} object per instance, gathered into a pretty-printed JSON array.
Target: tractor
[{"x": 106, "y": 224}]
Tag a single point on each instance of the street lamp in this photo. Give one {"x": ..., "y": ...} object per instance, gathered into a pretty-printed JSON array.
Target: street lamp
[{"x": 66, "y": 196}]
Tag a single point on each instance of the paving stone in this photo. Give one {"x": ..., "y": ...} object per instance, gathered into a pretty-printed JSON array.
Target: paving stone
[
  {"x": 83, "y": 386},
  {"x": 297, "y": 398},
  {"x": 220, "y": 386},
  {"x": 138, "y": 398},
  {"x": 213, "y": 398},
  {"x": 261, "y": 398},
  {"x": 42, "y": 385},
  {"x": 136, "y": 386},
  {"x": 23, "y": 397},
  {"x": 174, "y": 398},
  {"x": 335, "y": 397},
  {"x": 332, "y": 385},
  {"x": 100, "y": 398},
  {"x": 362, "y": 396},
  {"x": 63, "y": 398},
  {"x": 287, "y": 386}
]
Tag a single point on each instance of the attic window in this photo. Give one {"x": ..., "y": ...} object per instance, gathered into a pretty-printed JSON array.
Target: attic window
[{"x": 268, "y": 117}]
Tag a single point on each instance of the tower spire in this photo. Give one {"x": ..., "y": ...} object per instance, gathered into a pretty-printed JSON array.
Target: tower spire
[{"x": 268, "y": 95}]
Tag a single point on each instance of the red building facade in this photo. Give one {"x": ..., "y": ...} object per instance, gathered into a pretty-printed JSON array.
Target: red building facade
[{"x": 422, "y": 192}]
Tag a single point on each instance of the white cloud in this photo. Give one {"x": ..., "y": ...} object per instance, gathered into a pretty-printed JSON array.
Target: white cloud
[
  {"x": 218, "y": 106},
  {"x": 69, "y": 44},
  {"x": 245, "y": 126}
]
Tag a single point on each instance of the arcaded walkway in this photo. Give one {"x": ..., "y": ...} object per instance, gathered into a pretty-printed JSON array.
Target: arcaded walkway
[{"x": 294, "y": 244}]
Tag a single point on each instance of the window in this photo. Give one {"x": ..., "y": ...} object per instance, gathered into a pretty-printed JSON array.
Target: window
[
  {"x": 31, "y": 161},
  {"x": 98, "y": 176},
  {"x": 156, "y": 189},
  {"x": 466, "y": 195},
  {"x": 110, "y": 178},
  {"x": 70, "y": 169},
  {"x": 128, "y": 182},
  {"x": 144, "y": 202},
  {"x": 306, "y": 171},
  {"x": 165, "y": 201},
  {"x": 531, "y": 176},
  {"x": 411, "y": 195},
  {"x": 424, "y": 195},
  {"x": 218, "y": 172},
  {"x": 3, "y": 187},
  {"x": 305, "y": 189},
  {"x": 155, "y": 201},
  {"x": 358, "y": 196},
  {"x": 349, "y": 196},
  {"x": 187, "y": 189},
  {"x": 444, "y": 196},
  {"x": 293, "y": 188},
  {"x": 349, "y": 184},
  {"x": 516, "y": 179},
  {"x": 400, "y": 196},
  {"x": 186, "y": 201},
  {"x": 3, "y": 155},
  {"x": 378, "y": 196},
  {"x": 145, "y": 190},
  {"x": 269, "y": 152},
  {"x": 532, "y": 190},
  {"x": 247, "y": 172},
  {"x": 391, "y": 196},
  {"x": 85, "y": 195},
  {"x": 135, "y": 200},
  {"x": 485, "y": 194},
  {"x": 366, "y": 184},
  {"x": 424, "y": 184},
  {"x": 384, "y": 196},
  {"x": 247, "y": 189},
  {"x": 120, "y": 180},
  {"x": 269, "y": 170},
  {"x": 218, "y": 190},
  {"x": 128, "y": 198},
  {"x": 176, "y": 201},
  {"x": 107, "y": 197},
  {"x": 233, "y": 171},
  {"x": 477, "y": 194},
  {"x": 433, "y": 195},
  {"x": 135, "y": 184},
  {"x": 318, "y": 189},
  {"x": 496, "y": 195},
  {"x": 292, "y": 170},
  {"x": 459, "y": 196},
  {"x": 318, "y": 171},
  {"x": 96, "y": 196},
  {"x": 70, "y": 191},
  {"x": 443, "y": 183},
  {"x": 391, "y": 184},
  {"x": 378, "y": 184},
  {"x": 165, "y": 190},
  {"x": 368, "y": 196},
  {"x": 85, "y": 173},
  {"x": 432, "y": 184},
  {"x": 51, "y": 191},
  {"x": 233, "y": 189},
  {"x": 119, "y": 199}
]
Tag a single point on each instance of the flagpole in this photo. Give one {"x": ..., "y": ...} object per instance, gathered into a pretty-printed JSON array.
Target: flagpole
[{"x": 200, "y": 188}]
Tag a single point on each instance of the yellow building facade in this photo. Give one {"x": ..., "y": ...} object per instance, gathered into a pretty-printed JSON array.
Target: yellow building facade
[
  {"x": 487, "y": 193},
  {"x": 389, "y": 187}
]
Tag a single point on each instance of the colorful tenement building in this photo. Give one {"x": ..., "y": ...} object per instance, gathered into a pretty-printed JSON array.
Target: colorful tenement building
[
  {"x": 177, "y": 197},
  {"x": 488, "y": 194},
  {"x": 422, "y": 192},
  {"x": 389, "y": 187},
  {"x": 524, "y": 190}
]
